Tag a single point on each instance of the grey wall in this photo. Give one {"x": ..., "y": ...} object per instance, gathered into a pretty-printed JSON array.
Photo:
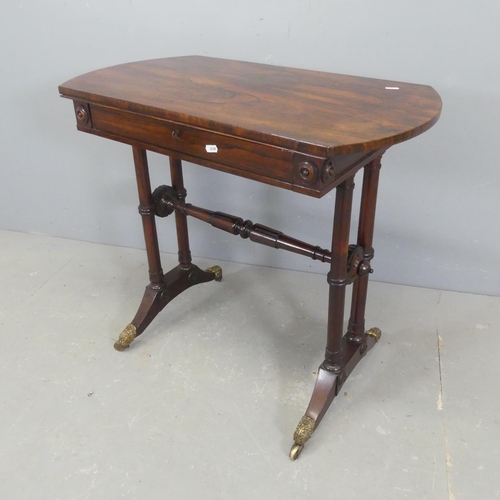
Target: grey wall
[{"x": 437, "y": 220}]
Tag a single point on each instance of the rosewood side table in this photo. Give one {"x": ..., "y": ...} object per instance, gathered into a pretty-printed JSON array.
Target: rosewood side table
[{"x": 305, "y": 131}]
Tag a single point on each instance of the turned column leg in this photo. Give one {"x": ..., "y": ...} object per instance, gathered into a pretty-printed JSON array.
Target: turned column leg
[
  {"x": 337, "y": 277},
  {"x": 332, "y": 368},
  {"x": 356, "y": 328},
  {"x": 147, "y": 211},
  {"x": 180, "y": 218},
  {"x": 185, "y": 262}
]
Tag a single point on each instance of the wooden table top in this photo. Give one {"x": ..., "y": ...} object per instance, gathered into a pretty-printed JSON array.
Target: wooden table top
[{"x": 308, "y": 111}]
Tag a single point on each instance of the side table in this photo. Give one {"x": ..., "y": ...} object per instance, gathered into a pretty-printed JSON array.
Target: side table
[{"x": 306, "y": 131}]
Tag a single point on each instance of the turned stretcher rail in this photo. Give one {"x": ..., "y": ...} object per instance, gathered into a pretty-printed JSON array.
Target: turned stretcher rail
[{"x": 166, "y": 201}]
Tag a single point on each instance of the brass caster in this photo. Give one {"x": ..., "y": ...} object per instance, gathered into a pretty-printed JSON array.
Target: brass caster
[
  {"x": 217, "y": 270},
  {"x": 295, "y": 451},
  {"x": 126, "y": 338},
  {"x": 376, "y": 333}
]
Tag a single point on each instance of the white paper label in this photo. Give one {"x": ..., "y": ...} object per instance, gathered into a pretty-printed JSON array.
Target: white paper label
[
  {"x": 392, "y": 88},
  {"x": 211, "y": 148}
]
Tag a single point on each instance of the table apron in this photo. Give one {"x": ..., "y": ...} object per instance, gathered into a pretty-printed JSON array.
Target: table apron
[{"x": 310, "y": 175}]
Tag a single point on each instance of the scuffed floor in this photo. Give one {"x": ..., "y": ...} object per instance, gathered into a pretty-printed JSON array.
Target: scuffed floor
[{"x": 204, "y": 404}]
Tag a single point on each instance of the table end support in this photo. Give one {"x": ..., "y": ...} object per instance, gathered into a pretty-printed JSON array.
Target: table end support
[
  {"x": 328, "y": 385},
  {"x": 155, "y": 299}
]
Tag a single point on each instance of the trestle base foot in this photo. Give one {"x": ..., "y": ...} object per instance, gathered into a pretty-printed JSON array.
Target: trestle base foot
[
  {"x": 328, "y": 385},
  {"x": 158, "y": 295}
]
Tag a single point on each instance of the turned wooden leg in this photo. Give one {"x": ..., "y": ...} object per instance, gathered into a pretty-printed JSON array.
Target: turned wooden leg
[
  {"x": 162, "y": 288},
  {"x": 356, "y": 328},
  {"x": 185, "y": 264},
  {"x": 147, "y": 211},
  {"x": 180, "y": 218}
]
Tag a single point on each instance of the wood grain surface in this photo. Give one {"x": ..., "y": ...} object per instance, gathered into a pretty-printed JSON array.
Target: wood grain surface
[{"x": 306, "y": 111}]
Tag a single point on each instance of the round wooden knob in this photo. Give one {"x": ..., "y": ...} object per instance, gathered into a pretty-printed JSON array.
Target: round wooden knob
[
  {"x": 81, "y": 115},
  {"x": 307, "y": 172},
  {"x": 328, "y": 170}
]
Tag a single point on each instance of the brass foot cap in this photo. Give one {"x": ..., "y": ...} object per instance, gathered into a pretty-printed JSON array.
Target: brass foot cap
[
  {"x": 376, "y": 333},
  {"x": 126, "y": 338},
  {"x": 304, "y": 430},
  {"x": 217, "y": 270}
]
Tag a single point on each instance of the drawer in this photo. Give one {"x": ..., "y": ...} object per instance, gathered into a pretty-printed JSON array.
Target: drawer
[{"x": 242, "y": 154}]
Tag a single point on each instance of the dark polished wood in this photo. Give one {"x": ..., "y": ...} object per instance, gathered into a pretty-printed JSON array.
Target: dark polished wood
[
  {"x": 180, "y": 218},
  {"x": 166, "y": 201},
  {"x": 146, "y": 209},
  {"x": 162, "y": 288},
  {"x": 300, "y": 130},
  {"x": 366, "y": 226},
  {"x": 349, "y": 113},
  {"x": 306, "y": 131},
  {"x": 338, "y": 276}
]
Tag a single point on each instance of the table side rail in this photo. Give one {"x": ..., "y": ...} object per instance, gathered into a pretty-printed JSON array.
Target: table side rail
[{"x": 310, "y": 175}]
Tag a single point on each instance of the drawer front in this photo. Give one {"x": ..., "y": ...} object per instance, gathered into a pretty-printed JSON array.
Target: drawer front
[{"x": 262, "y": 159}]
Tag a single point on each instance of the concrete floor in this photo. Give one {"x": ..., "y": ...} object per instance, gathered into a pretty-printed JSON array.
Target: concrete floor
[{"x": 204, "y": 404}]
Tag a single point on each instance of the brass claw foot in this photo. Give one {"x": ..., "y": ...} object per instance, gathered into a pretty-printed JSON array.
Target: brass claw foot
[
  {"x": 126, "y": 338},
  {"x": 375, "y": 332},
  {"x": 217, "y": 270},
  {"x": 301, "y": 435}
]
